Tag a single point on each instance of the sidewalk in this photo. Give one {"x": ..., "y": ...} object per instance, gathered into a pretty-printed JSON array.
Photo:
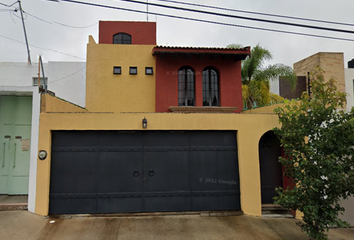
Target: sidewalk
[{"x": 18, "y": 225}]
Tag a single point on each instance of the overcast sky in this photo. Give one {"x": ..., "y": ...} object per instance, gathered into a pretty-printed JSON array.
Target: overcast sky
[{"x": 49, "y": 36}]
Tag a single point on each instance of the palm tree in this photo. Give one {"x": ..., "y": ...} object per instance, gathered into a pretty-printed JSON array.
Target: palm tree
[{"x": 256, "y": 77}]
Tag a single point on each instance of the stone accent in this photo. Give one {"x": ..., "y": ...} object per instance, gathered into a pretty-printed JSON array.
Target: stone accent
[{"x": 331, "y": 62}]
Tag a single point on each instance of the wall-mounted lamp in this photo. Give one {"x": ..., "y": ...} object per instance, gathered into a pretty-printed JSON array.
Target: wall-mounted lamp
[
  {"x": 145, "y": 123},
  {"x": 42, "y": 154}
]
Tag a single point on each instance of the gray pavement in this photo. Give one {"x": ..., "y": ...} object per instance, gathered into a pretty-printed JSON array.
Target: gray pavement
[{"x": 24, "y": 225}]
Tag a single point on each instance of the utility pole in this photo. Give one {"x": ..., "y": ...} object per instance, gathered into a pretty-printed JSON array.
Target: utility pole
[
  {"x": 147, "y": 10},
  {"x": 24, "y": 30}
]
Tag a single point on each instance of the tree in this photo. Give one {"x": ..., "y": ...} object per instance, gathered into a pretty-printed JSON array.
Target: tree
[
  {"x": 256, "y": 77},
  {"x": 318, "y": 140}
]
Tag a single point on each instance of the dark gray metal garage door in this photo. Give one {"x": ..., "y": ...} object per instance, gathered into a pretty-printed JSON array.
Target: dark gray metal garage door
[{"x": 143, "y": 171}]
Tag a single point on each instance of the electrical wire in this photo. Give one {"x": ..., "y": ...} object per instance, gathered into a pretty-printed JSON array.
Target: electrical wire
[
  {"x": 238, "y": 17},
  {"x": 258, "y": 13},
  {"x": 45, "y": 49},
  {"x": 208, "y": 21},
  {"x": 3, "y": 4},
  {"x": 68, "y": 75},
  {"x": 41, "y": 19},
  {"x": 62, "y": 24}
]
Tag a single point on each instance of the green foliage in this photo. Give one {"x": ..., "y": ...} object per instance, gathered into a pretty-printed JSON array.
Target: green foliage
[
  {"x": 256, "y": 77},
  {"x": 318, "y": 140}
]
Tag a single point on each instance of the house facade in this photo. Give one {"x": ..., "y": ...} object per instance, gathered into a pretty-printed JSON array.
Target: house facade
[{"x": 162, "y": 130}]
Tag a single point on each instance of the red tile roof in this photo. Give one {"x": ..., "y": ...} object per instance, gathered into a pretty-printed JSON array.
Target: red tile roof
[{"x": 202, "y": 50}]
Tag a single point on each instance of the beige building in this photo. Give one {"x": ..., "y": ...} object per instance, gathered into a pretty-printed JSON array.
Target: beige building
[{"x": 333, "y": 65}]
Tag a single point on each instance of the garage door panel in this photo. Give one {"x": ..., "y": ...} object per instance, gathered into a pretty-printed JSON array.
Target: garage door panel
[
  {"x": 71, "y": 206},
  {"x": 75, "y": 172},
  {"x": 166, "y": 138},
  {"x": 120, "y": 172},
  {"x": 120, "y": 139},
  {"x": 168, "y": 203},
  {"x": 77, "y": 138},
  {"x": 120, "y": 204},
  {"x": 213, "y": 138},
  {"x": 166, "y": 171}
]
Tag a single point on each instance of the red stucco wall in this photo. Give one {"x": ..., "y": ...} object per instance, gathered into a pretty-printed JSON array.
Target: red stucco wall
[
  {"x": 167, "y": 81},
  {"x": 143, "y": 33}
]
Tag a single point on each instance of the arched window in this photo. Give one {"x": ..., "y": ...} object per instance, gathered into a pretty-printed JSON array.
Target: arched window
[
  {"x": 186, "y": 96},
  {"x": 122, "y": 38},
  {"x": 210, "y": 87}
]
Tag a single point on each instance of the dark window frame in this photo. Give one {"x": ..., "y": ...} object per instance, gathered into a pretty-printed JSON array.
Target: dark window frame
[
  {"x": 122, "y": 38},
  {"x": 133, "y": 68},
  {"x": 211, "y": 88},
  {"x": 117, "y": 70},
  {"x": 186, "y": 86},
  {"x": 149, "y": 73}
]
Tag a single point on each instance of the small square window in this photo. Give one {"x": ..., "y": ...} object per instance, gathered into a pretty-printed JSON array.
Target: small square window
[
  {"x": 133, "y": 70},
  {"x": 117, "y": 70},
  {"x": 149, "y": 71}
]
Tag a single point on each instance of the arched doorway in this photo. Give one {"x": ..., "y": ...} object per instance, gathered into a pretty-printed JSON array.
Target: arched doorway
[{"x": 270, "y": 168}]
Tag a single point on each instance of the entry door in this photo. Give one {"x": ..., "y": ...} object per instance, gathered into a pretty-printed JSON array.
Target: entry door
[
  {"x": 15, "y": 134},
  {"x": 270, "y": 168}
]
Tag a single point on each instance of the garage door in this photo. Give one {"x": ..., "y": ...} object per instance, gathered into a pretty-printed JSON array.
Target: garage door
[{"x": 143, "y": 171}]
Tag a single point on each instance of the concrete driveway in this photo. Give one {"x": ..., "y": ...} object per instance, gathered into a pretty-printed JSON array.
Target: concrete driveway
[{"x": 24, "y": 225}]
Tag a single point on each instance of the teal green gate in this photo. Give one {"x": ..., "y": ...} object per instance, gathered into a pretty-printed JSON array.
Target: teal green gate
[{"x": 15, "y": 135}]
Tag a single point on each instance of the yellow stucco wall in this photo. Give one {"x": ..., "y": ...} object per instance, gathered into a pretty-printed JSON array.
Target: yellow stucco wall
[
  {"x": 250, "y": 128},
  {"x": 54, "y": 104},
  {"x": 108, "y": 92},
  {"x": 263, "y": 110}
]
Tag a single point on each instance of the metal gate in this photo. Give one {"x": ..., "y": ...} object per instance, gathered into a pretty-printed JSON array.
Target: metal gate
[{"x": 143, "y": 171}]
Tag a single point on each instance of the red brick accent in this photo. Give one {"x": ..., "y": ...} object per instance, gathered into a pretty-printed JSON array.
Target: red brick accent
[
  {"x": 143, "y": 33},
  {"x": 167, "y": 67}
]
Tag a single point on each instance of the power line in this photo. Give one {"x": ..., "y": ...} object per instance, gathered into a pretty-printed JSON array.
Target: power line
[
  {"x": 239, "y": 17},
  {"x": 3, "y": 4},
  {"x": 62, "y": 24},
  {"x": 68, "y": 75},
  {"x": 258, "y": 13},
  {"x": 45, "y": 49},
  {"x": 208, "y": 21}
]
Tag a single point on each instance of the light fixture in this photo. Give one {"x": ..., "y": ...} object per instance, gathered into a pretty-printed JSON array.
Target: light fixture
[
  {"x": 42, "y": 154},
  {"x": 145, "y": 123}
]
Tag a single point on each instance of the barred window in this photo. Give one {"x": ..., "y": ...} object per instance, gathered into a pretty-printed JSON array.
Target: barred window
[
  {"x": 186, "y": 95},
  {"x": 210, "y": 87},
  {"x": 122, "y": 38}
]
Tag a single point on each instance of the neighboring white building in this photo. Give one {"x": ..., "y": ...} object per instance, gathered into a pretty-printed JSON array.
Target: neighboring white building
[{"x": 19, "y": 118}]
